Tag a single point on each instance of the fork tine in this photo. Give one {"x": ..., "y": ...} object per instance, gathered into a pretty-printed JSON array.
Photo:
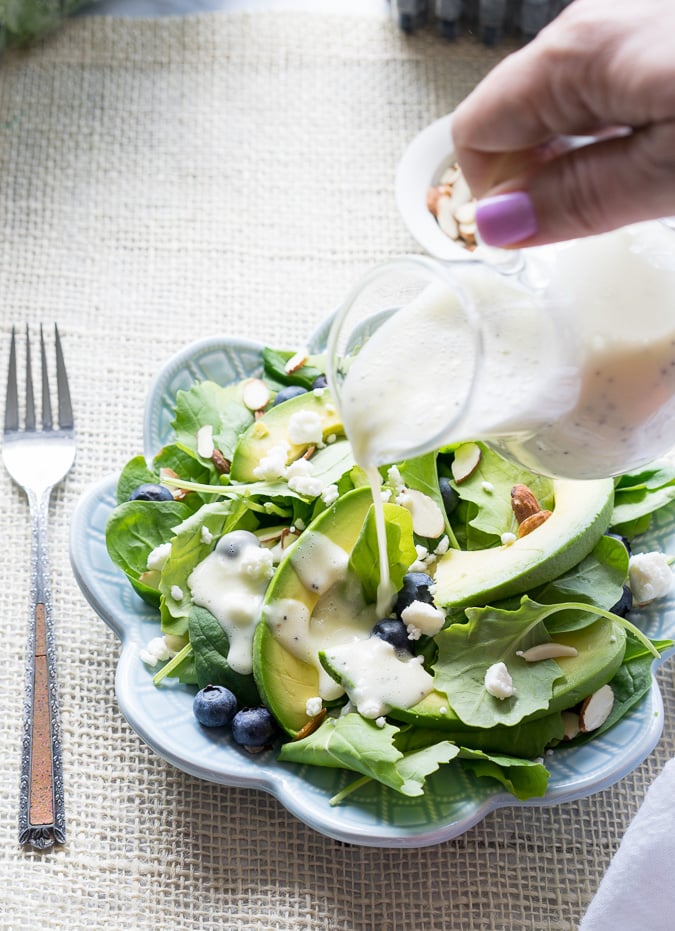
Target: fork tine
[
  {"x": 30, "y": 397},
  {"x": 47, "y": 422},
  {"x": 12, "y": 398},
  {"x": 65, "y": 407}
]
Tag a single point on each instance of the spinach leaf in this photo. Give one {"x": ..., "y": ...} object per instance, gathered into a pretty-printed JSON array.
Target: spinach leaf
[
  {"x": 489, "y": 490},
  {"x": 597, "y": 580},
  {"x": 188, "y": 547},
  {"x": 210, "y": 646},
  {"x": 364, "y": 561},
  {"x": 523, "y": 778},
  {"x": 630, "y": 684},
  {"x": 136, "y": 472},
  {"x": 274, "y": 362},
  {"x": 135, "y": 528},
  {"x": 208, "y": 403}
]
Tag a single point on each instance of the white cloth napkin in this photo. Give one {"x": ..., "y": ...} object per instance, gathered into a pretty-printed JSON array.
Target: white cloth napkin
[{"x": 637, "y": 893}]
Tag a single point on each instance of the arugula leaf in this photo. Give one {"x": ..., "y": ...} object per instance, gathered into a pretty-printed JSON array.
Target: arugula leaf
[
  {"x": 355, "y": 743},
  {"x": 210, "y": 646},
  {"x": 364, "y": 561},
  {"x": 523, "y": 778},
  {"x": 492, "y": 635}
]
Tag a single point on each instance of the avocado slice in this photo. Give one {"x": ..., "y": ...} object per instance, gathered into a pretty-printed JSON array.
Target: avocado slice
[
  {"x": 581, "y": 515},
  {"x": 272, "y": 430},
  {"x": 286, "y": 680},
  {"x": 600, "y": 651}
]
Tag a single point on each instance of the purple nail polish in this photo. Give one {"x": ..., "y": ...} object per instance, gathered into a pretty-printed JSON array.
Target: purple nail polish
[{"x": 506, "y": 218}]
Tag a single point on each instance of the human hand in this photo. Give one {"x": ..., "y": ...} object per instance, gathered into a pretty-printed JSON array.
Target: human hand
[{"x": 604, "y": 68}]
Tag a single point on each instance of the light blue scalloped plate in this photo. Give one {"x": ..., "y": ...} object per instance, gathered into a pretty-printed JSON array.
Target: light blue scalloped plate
[{"x": 374, "y": 816}]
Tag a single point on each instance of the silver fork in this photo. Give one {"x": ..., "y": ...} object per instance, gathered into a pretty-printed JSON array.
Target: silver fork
[{"x": 37, "y": 459}]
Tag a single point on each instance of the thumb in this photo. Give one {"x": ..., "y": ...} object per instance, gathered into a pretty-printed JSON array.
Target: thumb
[{"x": 585, "y": 191}]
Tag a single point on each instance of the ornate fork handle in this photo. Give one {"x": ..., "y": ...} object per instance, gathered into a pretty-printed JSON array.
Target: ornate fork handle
[{"x": 42, "y": 820}]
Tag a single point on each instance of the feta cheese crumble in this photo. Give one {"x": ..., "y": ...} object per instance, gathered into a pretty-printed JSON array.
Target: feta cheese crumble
[
  {"x": 649, "y": 576},
  {"x": 424, "y": 617},
  {"x": 300, "y": 478},
  {"x": 498, "y": 681},
  {"x": 273, "y": 466},
  {"x": 156, "y": 651},
  {"x": 508, "y": 538},
  {"x": 329, "y": 495},
  {"x": 313, "y": 706},
  {"x": 206, "y": 535},
  {"x": 176, "y": 593},
  {"x": 158, "y": 557},
  {"x": 305, "y": 428}
]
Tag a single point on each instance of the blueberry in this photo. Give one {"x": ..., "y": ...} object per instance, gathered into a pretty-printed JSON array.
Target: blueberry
[
  {"x": 624, "y": 604},
  {"x": 320, "y": 382},
  {"x": 150, "y": 491},
  {"x": 394, "y": 632},
  {"x": 290, "y": 391},
  {"x": 253, "y": 728},
  {"x": 449, "y": 495},
  {"x": 231, "y": 544},
  {"x": 415, "y": 588},
  {"x": 214, "y": 706}
]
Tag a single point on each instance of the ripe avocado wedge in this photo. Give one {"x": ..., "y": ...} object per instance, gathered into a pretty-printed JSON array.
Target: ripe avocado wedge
[
  {"x": 477, "y": 577},
  {"x": 286, "y": 682},
  {"x": 272, "y": 430},
  {"x": 600, "y": 650}
]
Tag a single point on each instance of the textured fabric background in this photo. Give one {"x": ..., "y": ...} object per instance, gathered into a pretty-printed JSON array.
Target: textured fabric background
[{"x": 159, "y": 182}]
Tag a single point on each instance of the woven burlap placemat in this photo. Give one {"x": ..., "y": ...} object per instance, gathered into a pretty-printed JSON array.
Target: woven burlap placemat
[{"x": 166, "y": 180}]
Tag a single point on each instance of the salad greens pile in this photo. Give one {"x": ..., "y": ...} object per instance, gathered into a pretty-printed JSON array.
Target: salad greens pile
[
  {"x": 460, "y": 723},
  {"x": 25, "y": 21}
]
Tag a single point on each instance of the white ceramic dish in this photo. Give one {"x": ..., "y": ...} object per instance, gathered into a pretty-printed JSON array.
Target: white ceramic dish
[
  {"x": 422, "y": 164},
  {"x": 374, "y": 816}
]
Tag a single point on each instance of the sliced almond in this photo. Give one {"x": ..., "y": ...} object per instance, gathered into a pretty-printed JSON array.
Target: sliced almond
[
  {"x": 296, "y": 361},
  {"x": 570, "y": 725},
  {"x": 451, "y": 174},
  {"x": 551, "y": 650},
  {"x": 311, "y": 725},
  {"x": 445, "y": 214},
  {"x": 427, "y": 517},
  {"x": 165, "y": 476},
  {"x": 596, "y": 709},
  {"x": 205, "y": 441},
  {"x": 433, "y": 194},
  {"x": 255, "y": 394},
  {"x": 466, "y": 461},
  {"x": 465, "y": 214}
]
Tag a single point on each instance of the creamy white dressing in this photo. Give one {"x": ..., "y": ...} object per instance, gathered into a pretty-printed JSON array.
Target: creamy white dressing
[
  {"x": 580, "y": 388},
  {"x": 232, "y": 588},
  {"x": 339, "y": 616},
  {"x": 377, "y": 678},
  {"x": 319, "y": 562}
]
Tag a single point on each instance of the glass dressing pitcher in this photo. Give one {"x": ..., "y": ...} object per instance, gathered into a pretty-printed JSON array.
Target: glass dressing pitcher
[{"x": 562, "y": 357}]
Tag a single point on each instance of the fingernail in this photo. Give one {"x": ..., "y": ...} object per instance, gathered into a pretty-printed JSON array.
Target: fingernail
[{"x": 506, "y": 218}]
